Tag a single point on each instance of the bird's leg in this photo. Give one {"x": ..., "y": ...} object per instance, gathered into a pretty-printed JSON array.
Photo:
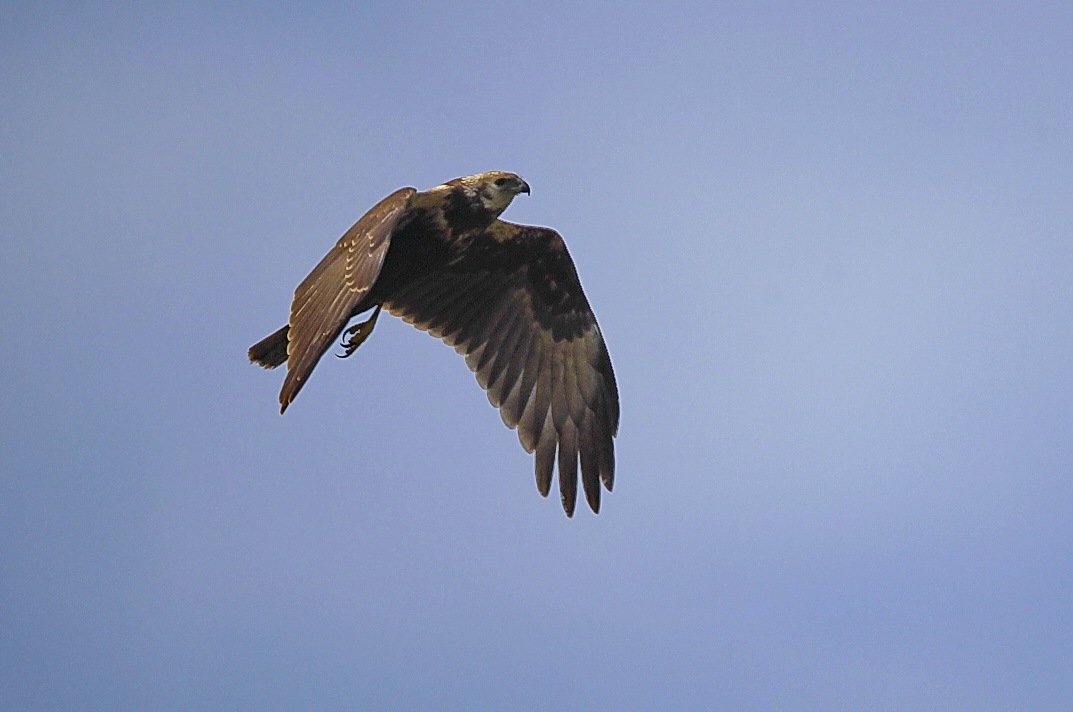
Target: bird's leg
[{"x": 358, "y": 334}]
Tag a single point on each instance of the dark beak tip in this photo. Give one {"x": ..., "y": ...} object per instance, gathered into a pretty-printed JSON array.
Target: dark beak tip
[{"x": 524, "y": 188}]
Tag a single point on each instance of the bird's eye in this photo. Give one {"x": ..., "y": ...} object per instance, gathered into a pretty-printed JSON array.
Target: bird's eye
[{"x": 502, "y": 181}]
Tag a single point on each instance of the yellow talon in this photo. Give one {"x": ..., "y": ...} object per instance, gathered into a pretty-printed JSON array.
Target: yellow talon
[{"x": 358, "y": 334}]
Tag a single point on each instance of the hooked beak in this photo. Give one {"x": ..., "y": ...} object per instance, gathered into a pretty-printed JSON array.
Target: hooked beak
[{"x": 524, "y": 188}]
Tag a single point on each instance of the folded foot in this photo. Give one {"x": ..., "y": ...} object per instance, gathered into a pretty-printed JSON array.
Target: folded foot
[{"x": 357, "y": 334}]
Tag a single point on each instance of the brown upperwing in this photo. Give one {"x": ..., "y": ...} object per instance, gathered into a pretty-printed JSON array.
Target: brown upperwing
[{"x": 325, "y": 300}]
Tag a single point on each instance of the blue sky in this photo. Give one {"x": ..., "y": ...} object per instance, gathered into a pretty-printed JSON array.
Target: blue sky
[{"x": 830, "y": 247}]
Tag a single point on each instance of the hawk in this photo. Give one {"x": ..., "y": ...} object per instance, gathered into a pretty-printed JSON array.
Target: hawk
[{"x": 505, "y": 296}]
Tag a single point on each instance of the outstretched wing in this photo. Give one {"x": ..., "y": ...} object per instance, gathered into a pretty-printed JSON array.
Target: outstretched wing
[
  {"x": 510, "y": 301},
  {"x": 325, "y": 300}
]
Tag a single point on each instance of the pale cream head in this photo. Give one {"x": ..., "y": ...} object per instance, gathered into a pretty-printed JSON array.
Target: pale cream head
[{"x": 494, "y": 189}]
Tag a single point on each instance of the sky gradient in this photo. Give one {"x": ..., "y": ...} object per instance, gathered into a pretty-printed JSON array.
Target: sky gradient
[{"x": 830, "y": 247}]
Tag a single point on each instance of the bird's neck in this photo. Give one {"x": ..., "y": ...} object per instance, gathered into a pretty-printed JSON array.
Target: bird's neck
[{"x": 467, "y": 210}]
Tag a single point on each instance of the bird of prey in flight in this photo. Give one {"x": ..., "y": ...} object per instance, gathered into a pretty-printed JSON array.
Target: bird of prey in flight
[{"x": 505, "y": 296}]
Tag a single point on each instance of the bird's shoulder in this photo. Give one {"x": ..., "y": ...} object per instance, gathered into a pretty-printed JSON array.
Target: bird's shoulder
[
  {"x": 506, "y": 247},
  {"x": 531, "y": 237}
]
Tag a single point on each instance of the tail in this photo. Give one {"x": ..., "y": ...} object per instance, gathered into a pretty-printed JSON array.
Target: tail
[{"x": 270, "y": 351}]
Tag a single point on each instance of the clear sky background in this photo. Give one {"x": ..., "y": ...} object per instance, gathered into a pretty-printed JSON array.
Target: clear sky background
[{"x": 830, "y": 247}]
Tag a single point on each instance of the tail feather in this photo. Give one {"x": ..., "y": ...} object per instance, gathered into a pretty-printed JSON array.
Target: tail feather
[{"x": 270, "y": 351}]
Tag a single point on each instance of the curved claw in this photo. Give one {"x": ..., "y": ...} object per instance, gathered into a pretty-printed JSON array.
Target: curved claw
[{"x": 358, "y": 334}]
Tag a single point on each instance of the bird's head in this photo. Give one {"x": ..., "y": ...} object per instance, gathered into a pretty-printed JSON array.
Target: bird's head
[{"x": 494, "y": 189}]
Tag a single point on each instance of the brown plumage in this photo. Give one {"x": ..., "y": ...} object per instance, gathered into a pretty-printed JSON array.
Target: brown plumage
[{"x": 505, "y": 296}]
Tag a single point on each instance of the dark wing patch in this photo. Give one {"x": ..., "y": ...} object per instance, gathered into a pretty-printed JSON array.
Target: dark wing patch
[
  {"x": 515, "y": 309},
  {"x": 327, "y": 298}
]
